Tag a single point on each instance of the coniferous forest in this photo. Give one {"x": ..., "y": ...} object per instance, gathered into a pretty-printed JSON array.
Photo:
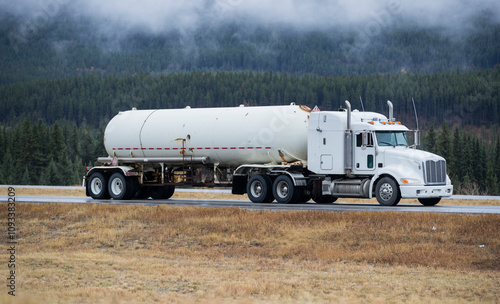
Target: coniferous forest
[{"x": 60, "y": 86}]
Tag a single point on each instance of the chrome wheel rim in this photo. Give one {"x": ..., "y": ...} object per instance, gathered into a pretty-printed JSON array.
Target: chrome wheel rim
[
  {"x": 256, "y": 189},
  {"x": 282, "y": 189},
  {"x": 386, "y": 191},
  {"x": 116, "y": 186},
  {"x": 96, "y": 185}
]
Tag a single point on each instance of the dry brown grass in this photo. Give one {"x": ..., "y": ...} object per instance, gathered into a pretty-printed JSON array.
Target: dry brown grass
[
  {"x": 227, "y": 196},
  {"x": 87, "y": 253}
]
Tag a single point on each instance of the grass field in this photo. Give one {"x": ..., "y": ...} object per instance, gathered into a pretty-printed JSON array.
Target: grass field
[
  {"x": 87, "y": 253},
  {"x": 228, "y": 196}
]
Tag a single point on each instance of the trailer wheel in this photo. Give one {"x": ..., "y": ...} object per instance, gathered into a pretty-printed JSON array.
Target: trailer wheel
[
  {"x": 387, "y": 192},
  {"x": 429, "y": 201},
  {"x": 284, "y": 191},
  {"x": 142, "y": 193},
  {"x": 259, "y": 189},
  {"x": 98, "y": 186},
  {"x": 120, "y": 187},
  {"x": 162, "y": 192}
]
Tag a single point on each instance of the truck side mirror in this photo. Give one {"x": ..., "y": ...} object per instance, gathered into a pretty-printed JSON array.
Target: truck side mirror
[
  {"x": 417, "y": 138},
  {"x": 365, "y": 139}
]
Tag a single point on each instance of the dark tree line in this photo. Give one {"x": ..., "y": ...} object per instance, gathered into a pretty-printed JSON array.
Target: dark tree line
[
  {"x": 53, "y": 128},
  {"x": 34, "y": 153},
  {"x": 472, "y": 164},
  {"x": 39, "y": 154},
  {"x": 461, "y": 98}
]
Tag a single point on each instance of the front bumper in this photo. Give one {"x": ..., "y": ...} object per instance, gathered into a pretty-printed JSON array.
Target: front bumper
[{"x": 426, "y": 191}]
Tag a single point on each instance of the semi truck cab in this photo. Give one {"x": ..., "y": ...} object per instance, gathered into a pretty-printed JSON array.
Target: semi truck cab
[{"x": 366, "y": 154}]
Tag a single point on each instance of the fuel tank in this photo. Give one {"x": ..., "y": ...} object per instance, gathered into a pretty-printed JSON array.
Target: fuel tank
[{"x": 227, "y": 136}]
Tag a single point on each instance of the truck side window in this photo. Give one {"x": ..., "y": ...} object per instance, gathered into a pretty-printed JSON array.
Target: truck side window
[{"x": 359, "y": 139}]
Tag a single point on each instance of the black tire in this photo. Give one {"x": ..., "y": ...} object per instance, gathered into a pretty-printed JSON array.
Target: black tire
[
  {"x": 259, "y": 189},
  {"x": 324, "y": 199},
  {"x": 387, "y": 192},
  {"x": 284, "y": 191},
  {"x": 142, "y": 193},
  {"x": 97, "y": 186},
  {"x": 121, "y": 187},
  {"x": 162, "y": 192},
  {"x": 429, "y": 201},
  {"x": 135, "y": 186},
  {"x": 304, "y": 196}
]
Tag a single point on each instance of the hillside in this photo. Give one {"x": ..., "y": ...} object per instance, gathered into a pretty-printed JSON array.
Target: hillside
[
  {"x": 66, "y": 68},
  {"x": 70, "y": 46}
]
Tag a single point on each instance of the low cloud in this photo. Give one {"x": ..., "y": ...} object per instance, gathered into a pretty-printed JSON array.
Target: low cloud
[{"x": 165, "y": 15}]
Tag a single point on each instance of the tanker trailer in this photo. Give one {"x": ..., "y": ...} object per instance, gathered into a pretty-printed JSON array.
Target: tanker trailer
[
  {"x": 152, "y": 151},
  {"x": 285, "y": 153}
]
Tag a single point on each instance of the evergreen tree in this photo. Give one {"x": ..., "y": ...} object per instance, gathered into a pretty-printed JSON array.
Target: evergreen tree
[
  {"x": 430, "y": 140},
  {"x": 444, "y": 145},
  {"x": 492, "y": 186},
  {"x": 57, "y": 143},
  {"x": 496, "y": 157},
  {"x": 74, "y": 145},
  {"x": 457, "y": 171},
  {"x": 40, "y": 153},
  {"x": 50, "y": 176},
  {"x": 9, "y": 169},
  {"x": 468, "y": 156},
  {"x": 25, "y": 180}
]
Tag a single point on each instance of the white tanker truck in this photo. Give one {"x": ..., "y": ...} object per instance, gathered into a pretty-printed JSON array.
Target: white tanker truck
[{"x": 285, "y": 153}]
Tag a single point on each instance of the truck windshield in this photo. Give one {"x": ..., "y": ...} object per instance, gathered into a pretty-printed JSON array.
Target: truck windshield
[{"x": 391, "y": 138}]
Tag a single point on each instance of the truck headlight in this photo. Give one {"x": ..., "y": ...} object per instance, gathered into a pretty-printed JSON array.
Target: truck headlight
[{"x": 410, "y": 181}]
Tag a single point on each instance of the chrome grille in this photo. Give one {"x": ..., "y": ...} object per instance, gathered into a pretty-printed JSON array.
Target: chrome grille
[{"x": 435, "y": 172}]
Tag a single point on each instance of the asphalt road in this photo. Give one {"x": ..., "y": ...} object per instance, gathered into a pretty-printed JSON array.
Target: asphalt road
[{"x": 337, "y": 206}]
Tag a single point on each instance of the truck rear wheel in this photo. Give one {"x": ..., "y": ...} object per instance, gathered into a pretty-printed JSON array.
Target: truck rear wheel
[
  {"x": 98, "y": 186},
  {"x": 429, "y": 201},
  {"x": 305, "y": 195},
  {"x": 324, "y": 199},
  {"x": 121, "y": 187},
  {"x": 284, "y": 191},
  {"x": 259, "y": 189},
  {"x": 387, "y": 192}
]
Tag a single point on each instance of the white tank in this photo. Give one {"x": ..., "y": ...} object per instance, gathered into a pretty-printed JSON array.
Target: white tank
[{"x": 227, "y": 136}]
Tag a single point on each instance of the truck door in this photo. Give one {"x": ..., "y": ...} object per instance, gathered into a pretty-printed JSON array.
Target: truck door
[{"x": 364, "y": 152}]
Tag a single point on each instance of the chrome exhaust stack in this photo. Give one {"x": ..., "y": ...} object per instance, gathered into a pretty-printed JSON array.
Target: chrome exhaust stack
[
  {"x": 391, "y": 111},
  {"x": 348, "y": 143}
]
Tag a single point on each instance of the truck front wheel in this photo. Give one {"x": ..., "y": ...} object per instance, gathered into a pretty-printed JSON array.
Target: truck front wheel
[
  {"x": 259, "y": 189},
  {"x": 429, "y": 201},
  {"x": 98, "y": 186},
  {"x": 387, "y": 192}
]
